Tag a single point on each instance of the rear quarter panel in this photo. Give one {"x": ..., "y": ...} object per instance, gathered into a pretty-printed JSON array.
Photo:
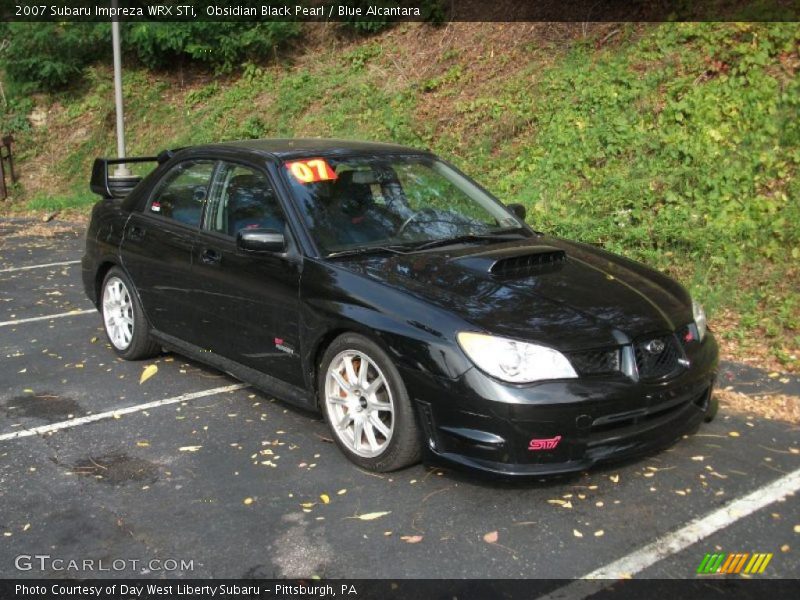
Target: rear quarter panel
[{"x": 103, "y": 238}]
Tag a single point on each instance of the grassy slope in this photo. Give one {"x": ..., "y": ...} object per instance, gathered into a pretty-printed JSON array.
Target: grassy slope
[{"x": 674, "y": 144}]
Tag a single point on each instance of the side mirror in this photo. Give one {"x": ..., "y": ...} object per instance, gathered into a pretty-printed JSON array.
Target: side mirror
[
  {"x": 260, "y": 240},
  {"x": 518, "y": 210}
]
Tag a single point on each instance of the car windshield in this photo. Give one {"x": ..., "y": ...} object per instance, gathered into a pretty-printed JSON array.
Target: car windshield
[{"x": 399, "y": 201}]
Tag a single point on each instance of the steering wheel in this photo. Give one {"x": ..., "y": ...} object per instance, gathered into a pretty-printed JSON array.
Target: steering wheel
[{"x": 413, "y": 218}]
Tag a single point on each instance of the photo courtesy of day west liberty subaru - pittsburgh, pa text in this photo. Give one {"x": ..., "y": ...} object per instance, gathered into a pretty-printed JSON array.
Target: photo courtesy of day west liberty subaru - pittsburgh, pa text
[{"x": 170, "y": 590}]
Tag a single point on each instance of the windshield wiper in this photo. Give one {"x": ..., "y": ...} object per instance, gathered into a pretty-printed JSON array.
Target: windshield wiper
[
  {"x": 469, "y": 237},
  {"x": 396, "y": 249}
]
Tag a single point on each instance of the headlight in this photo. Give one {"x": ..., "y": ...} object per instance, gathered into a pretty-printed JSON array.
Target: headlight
[
  {"x": 516, "y": 362},
  {"x": 699, "y": 316}
]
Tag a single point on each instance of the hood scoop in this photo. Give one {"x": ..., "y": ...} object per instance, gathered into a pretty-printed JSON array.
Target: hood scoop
[{"x": 515, "y": 262}]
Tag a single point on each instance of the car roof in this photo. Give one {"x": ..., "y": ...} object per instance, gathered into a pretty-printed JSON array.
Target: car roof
[{"x": 297, "y": 147}]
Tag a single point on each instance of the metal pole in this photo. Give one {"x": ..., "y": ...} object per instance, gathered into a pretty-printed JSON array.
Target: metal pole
[{"x": 121, "y": 170}]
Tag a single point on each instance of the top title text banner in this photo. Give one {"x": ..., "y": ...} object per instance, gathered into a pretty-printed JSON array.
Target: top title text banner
[{"x": 400, "y": 10}]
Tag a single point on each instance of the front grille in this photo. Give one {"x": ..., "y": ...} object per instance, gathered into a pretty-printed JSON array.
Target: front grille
[
  {"x": 596, "y": 362},
  {"x": 520, "y": 265},
  {"x": 657, "y": 356}
]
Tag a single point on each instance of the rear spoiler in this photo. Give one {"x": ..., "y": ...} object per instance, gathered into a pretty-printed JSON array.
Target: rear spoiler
[{"x": 108, "y": 186}]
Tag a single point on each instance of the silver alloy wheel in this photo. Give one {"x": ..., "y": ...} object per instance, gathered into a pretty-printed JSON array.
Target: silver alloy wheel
[
  {"x": 118, "y": 313},
  {"x": 359, "y": 403}
]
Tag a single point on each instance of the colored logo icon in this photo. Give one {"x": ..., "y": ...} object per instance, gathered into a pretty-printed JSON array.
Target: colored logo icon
[{"x": 731, "y": 563}]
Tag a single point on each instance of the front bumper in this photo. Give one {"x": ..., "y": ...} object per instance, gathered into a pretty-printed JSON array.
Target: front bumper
[{"x": 477, "y": 422}]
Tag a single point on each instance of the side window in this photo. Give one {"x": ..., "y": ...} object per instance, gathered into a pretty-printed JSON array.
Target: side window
[
  {"x": 243, "y": 199},
  {"x": 180, "y": 195}
]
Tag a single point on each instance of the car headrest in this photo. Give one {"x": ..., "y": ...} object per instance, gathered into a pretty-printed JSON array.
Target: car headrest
[{"x": 352, "y": 197}]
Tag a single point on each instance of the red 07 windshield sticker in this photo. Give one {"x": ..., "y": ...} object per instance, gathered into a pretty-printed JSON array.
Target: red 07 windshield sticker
[{"x": 311, "y": 170}]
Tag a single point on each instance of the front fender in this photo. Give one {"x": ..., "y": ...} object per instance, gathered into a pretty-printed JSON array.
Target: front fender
[{"x": 415, "y": 334}]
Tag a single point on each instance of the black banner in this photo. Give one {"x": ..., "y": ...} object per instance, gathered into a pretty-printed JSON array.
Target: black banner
[
  {"x": 403, "y": 589},
  {"x": 401, "y": 10}
]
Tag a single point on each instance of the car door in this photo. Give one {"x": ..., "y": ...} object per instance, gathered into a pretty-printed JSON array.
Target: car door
[
  {"x": 249, "y": 305},
  {"x": 157, "y": 246}
]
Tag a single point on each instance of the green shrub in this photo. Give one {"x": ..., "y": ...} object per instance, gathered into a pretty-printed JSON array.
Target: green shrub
[
  {"x": 45, "y": 57},
  {"x": 219, "y": 45},
  {"x": 51, "y": 56},
  {"x": 14, "y": 115}
]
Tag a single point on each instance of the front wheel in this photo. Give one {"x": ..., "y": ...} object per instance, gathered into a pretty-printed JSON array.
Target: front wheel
[
  {"x": 367, "y": 406},
  {"x": 125, "y": 324}
]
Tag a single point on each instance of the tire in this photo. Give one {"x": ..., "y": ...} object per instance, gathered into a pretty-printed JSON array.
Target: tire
[
  {"x": 378, "y": 401},
  {"x": 124, "y": 322}
]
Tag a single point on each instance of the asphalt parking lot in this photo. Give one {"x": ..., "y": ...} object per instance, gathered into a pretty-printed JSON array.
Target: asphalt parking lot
[{"x": 241, "y": 485}]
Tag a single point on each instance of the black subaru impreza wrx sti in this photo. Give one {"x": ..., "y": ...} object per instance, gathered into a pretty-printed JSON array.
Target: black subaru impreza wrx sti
[{"x": 383, "y": 287}]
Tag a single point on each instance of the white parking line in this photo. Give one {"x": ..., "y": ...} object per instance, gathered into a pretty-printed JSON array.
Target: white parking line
[
  {"x": 119, "y": 412},
  {"x": 674, "y": 542},
  {"x": 72, "y": 313},
  {"x": 55, "y": 264}
]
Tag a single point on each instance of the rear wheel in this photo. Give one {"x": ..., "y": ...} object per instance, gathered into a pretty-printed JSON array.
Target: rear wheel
[
  {"x": 125, "y": 324},
  {"x": 366, "y": 405}
]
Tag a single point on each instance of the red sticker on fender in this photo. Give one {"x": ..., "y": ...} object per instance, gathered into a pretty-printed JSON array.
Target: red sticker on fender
[{"x": 311, "y": 170}]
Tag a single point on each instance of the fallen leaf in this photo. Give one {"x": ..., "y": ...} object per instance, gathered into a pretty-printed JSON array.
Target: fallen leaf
[
  {"x": 733, "y": 433},
  {"x": 308, "y": 504},
  {"x": 577, "y": 533},
  {"x": 148, "y": 372},
  {"x": 247, "y": 501},
  {"x": 387, "y": 533},
  {"x": 189, "y": 448},
  {"x": 341, "y": 492},
  {"x": 785, "y": 548},
  {"x": 614, "y": 478},
  {"x": 490, "y": 538},
  {"x": 797, "y": 528},
  {"x": 325, "y": 498},
  {"x": 143, "y": 444},
  {"x": 599, "y": 533},
  {"x": 371, "y": 516},
  {"x": 698, "y": 458},
  {"x": 411, "y": 539},
  {"x": 26, "y": 527}
]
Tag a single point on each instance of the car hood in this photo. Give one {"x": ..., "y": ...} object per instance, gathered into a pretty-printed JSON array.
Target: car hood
[{"x": 563, "y": 294}]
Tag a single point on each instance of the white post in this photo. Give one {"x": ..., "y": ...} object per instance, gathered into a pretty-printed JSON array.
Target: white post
[{"x": 121, "y": 170}]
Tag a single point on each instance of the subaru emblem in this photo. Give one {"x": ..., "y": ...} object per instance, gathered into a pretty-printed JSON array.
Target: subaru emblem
[{"x": 655, "y": 346}]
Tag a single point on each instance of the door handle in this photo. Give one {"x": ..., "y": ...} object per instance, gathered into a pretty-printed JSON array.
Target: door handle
[
  {"x": 209, "y": 256},
  {"x": 135, "y": 233}
]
